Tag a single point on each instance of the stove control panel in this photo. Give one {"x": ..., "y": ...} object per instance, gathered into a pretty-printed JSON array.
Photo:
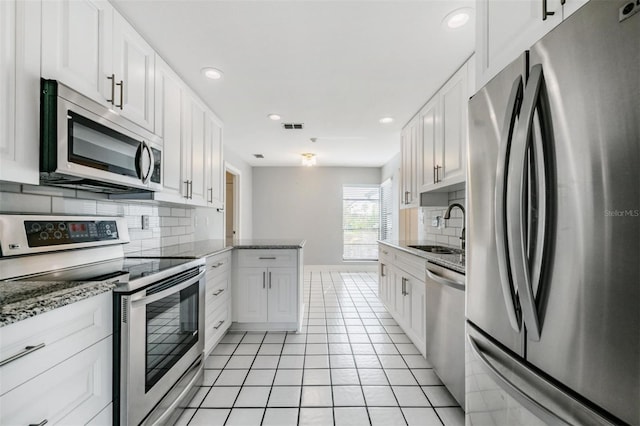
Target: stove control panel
[{"x": 49, "y": 233}]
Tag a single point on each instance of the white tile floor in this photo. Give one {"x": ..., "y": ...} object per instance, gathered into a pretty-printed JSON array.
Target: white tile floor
[{"x": 352, "y": 365}]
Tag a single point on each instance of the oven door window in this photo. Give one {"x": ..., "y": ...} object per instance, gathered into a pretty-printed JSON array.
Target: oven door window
[
  {"x": 94, "y": 145},
  {"x": 171, "y": 330}
]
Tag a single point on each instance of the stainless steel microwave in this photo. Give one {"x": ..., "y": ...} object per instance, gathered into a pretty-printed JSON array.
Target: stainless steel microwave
[{"x": 84, "y": 145}]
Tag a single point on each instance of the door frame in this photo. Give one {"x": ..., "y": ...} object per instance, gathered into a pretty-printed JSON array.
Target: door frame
[{"x": 229, "y": 168}]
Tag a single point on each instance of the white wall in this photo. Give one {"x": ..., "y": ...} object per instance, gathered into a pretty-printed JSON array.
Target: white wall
[
  {"x": 305, "y": 203},
  {"x": 246, "y": 191},
  {"x": 392, "y": 170}
]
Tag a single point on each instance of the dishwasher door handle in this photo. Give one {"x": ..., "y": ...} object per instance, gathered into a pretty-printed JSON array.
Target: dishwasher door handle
[{"x": 444, "y": 281}]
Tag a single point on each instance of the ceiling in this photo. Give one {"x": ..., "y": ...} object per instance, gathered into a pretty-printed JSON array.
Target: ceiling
[{"x": 336, "y": 66}]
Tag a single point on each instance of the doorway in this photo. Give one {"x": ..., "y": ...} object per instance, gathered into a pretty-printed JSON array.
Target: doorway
[{"x": 232, "y": 205}]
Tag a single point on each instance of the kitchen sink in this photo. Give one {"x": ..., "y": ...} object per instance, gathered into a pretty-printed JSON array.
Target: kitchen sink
[{"x": 434, "y": 249}]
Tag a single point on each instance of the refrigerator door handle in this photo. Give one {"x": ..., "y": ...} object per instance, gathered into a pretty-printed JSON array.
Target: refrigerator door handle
[
  {"x": 500, "y": 217},
  {"x": 545, "y": 399},
  {"x": 516, "y": 205},
  {"x": 513, "y": 390}
]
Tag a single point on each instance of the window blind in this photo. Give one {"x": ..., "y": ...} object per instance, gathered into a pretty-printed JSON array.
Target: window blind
[{"x": 386, "y": 208}]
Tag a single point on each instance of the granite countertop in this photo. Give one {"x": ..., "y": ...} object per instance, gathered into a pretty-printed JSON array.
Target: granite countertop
[
  {"x": 455, "y": 261},
  {"x": 20, "y": 300},
  {"x": 198, "y": 249}
]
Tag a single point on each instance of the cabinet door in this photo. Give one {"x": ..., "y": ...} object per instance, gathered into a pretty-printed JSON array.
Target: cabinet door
[
  {"x": 398, "y": 294},
  {"x": 417, "y": 295},
  {"x": 405, "y": 166},
  {"x": 168, "y": 112},
  {"x": 193, "y": 150},
  {"x": 283, "y": 294},
  {"x": 409, "y": 164},
  {"x": 250, "y": 295},
  {"x": 428, "y": 137},
  {"x": 71, "y": 393},
  {"x": 453, "y": 144},
  {"x": 213, "y": 162},
  {"x": 77, "y": 46},
  {"x": 134, "y": 68},
  {"x": 19, "y": 91},
  {"x": 506, "y": 28}
]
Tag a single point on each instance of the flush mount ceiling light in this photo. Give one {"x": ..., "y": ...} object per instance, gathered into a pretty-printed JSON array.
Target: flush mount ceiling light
[
  {"x": 308, "y": 159},
  {"x": 386, "y": 120},
  {"x": 274, "y": 117},
  {"x": 212, "y": 73},
  {"x": 457, "y": 18}
]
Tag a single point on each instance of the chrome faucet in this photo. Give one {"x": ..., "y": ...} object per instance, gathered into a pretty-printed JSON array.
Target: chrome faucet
[{"x": 447, "y": 215}]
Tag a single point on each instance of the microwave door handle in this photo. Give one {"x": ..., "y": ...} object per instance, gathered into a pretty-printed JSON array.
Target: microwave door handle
[
  {"x": 164, "y": 293},
  {"x": 146, "y": 175}
]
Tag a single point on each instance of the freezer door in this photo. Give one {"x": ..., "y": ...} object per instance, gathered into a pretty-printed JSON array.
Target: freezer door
[
  {"x": 491, "y": 297},
  {"x": 503, "y": 390},
  {"x": 589, "y": 299}
]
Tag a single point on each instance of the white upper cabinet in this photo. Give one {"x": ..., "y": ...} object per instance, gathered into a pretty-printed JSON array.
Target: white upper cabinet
[
  {"x": 133, "y": 62},
  {"x": 213, "y": 162},
  {"x": 89, "y": 46},
  {"x": 506, "y": 28},
  {"x": 429, "y": 137},
  {"x": 411, "y": 169},
  {"x": 77, "y": 42},
  {"x": 193, "y": 150},
  {"x": 19, "y": 91},
  {"x": 168, "y": 125}
]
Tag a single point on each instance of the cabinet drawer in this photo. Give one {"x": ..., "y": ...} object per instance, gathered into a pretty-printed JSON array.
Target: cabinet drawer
[
  {"x": 213, "y": 305},
  {"x": 266, "y": 258},
  {"x": 385, "y": 254},
  {"x": 216, "y": 326},
  {"x": 412, "y": 264},
  {"x": 64, "y": 332},
  {"x": 218, "y": 286},
  {"x": 218, "y": 264},
  {"x": 72, "y": 392}
]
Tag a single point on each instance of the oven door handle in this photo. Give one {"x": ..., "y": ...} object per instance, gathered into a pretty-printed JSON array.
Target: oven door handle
[{"x": 164, "y": 293}]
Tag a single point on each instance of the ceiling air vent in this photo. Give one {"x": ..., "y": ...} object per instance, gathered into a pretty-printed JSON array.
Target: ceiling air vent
[
  {"x": 293, "y": 126},
  {"x": 258, "y": 155}
]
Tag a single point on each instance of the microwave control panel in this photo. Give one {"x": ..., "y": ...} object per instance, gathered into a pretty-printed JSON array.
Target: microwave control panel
[{"x": 49, "y": 233}]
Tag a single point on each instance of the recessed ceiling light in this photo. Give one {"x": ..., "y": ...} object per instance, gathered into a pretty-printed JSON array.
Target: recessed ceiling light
[
  {"x": 274, "y": 117},
  {"x": 212, "y": 73},
  {"x": 386, "y": 120},
  {"x": 457, "y": 18}
]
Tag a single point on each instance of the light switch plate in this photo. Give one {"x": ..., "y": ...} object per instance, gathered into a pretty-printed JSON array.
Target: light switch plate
[{"x": 145, "y": 221}]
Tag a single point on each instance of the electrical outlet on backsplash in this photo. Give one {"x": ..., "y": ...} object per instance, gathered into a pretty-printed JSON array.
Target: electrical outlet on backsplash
[{"x": 434, "y": 227}]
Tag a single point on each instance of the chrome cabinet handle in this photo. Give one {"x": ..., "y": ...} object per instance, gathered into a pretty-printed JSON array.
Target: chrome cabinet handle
[
  {"x": 545, "y": 12},
  {"x": 42, "y": 423},
  {"x": 218, "y": 292},
  {"x": 500, "y": 194},
  {"x": 217, "y": 265},
  {"x": 404, "y": 286},
  {"x": 27, "y": 350},
  {"x": 264, "y": 280},
  {"x": 269, "y": 279},
  {"x": 438, "y": 174},
  {"x": 382, "y": 265},
  {"x": 121, "y": 84},
  {"x": 210, "y": 200},
  {"x": 187, "y": 183},
  {"x": 217, "y": 326},
  {"x": 267, "y": 258},
  {"x": 435, "y": 179},
  {"x": 113, "y": 89}
]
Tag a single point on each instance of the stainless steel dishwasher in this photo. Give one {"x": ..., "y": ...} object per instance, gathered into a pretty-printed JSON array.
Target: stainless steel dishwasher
[{"x": 445, "y": 327}]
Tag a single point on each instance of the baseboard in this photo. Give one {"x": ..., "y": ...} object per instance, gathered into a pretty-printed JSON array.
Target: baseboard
[{"x": 360, "y": 267}]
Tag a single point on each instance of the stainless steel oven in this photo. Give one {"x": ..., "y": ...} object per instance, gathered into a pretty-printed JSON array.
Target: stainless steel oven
[
  {"x": 87, "y": 146},
  {"x": 158, "y": 354}
]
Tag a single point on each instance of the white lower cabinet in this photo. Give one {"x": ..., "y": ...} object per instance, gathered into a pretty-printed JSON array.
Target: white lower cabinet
[
  {"x": 71, "y": 393},
  {"x": 404, "y": 293},
  {"x": 217, "y": 299},
  {"x": 266, "y": 291}
]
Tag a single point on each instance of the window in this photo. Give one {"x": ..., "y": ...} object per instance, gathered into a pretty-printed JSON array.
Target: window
[
  {"x": 360, "y": 222},
  {"x": 386, "y": 210}
]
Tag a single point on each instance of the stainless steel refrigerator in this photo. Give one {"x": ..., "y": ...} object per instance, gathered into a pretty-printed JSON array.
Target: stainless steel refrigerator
[{"x": 553, "y": 278}]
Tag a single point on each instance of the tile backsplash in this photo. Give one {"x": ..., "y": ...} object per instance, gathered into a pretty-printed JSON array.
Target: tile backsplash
[
  {"x": 168, "y": 224},
  {"x": 452, "y": 231}
]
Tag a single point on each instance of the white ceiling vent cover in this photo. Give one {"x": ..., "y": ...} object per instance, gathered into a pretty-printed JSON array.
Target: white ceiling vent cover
[{"x": 293, "y": 126}]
